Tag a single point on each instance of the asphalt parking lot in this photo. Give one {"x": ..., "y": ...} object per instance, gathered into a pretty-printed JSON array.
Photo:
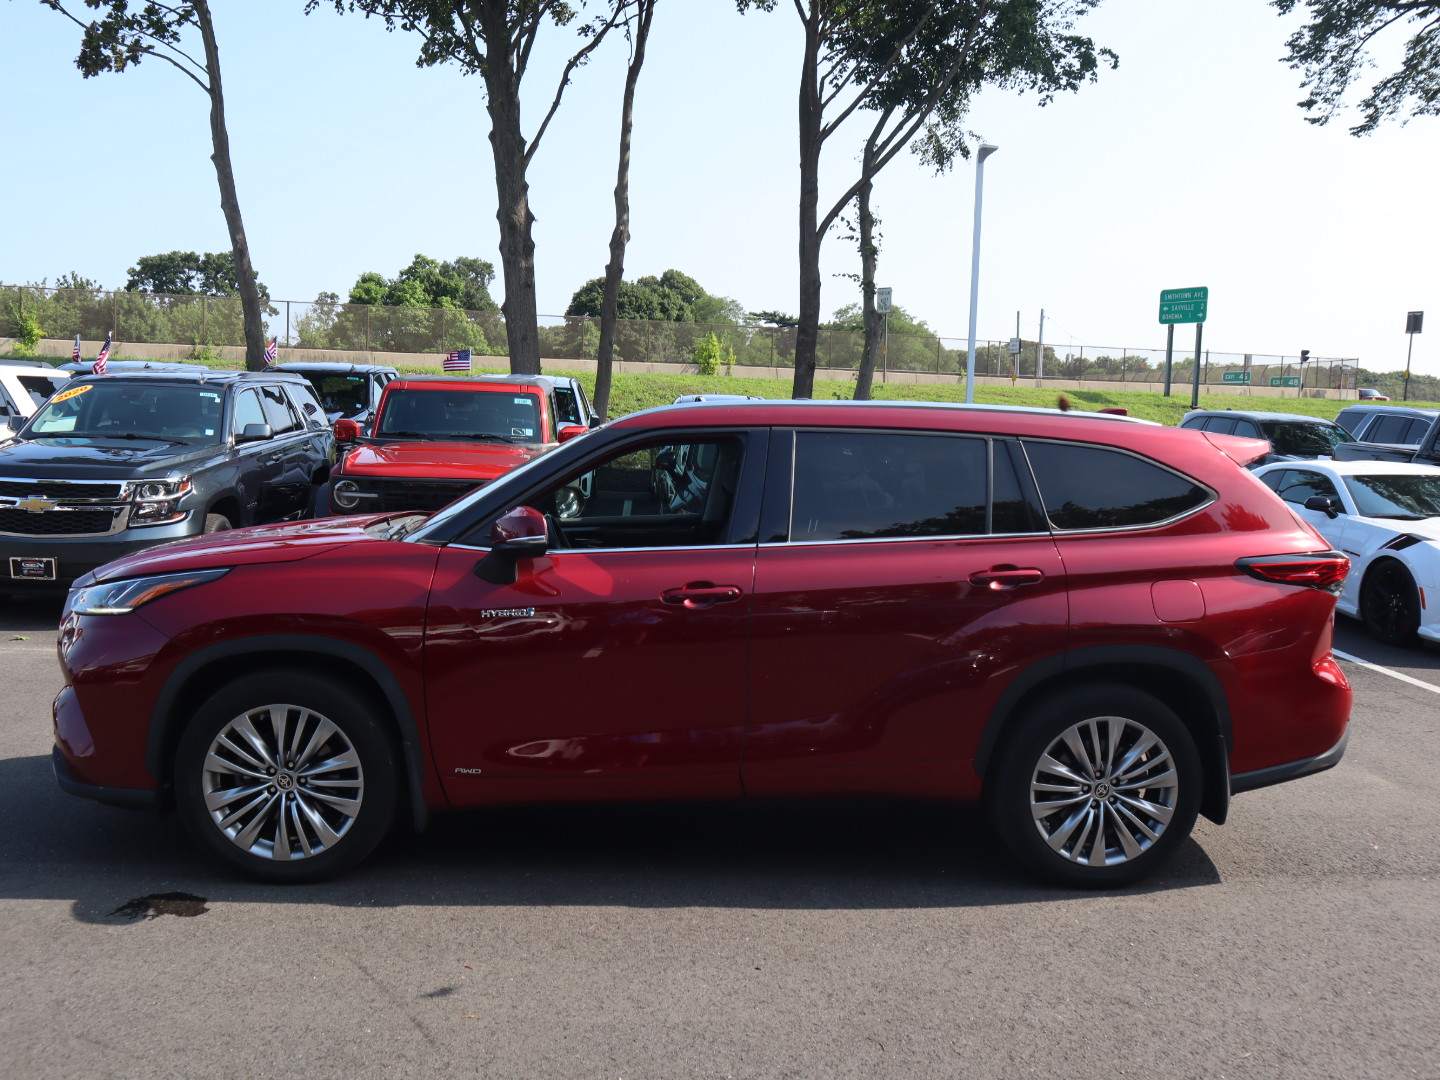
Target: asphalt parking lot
[{"x": 1302, "y": 939}]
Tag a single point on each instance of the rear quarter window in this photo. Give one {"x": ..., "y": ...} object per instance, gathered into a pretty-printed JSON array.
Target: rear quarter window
[{"x": 1091, "y": 487}]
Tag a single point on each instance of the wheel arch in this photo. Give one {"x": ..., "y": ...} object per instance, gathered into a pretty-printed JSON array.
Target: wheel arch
[
  {"x": 1184, "y": 683},
  {"x": 201, "y": 673},
  {"x": 229, "y": 506}
]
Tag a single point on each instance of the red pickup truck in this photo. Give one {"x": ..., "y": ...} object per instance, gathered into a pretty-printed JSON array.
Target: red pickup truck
[{"x": 438, "y": 437}]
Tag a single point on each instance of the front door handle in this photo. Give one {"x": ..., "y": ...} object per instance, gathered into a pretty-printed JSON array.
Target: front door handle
[
  {"x": 1005, "y": 578},
  {"x": 700, "y": 594}
]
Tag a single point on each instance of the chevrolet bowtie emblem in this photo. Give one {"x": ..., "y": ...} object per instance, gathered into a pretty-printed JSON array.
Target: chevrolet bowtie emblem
[{"x": 36, "y": 505}]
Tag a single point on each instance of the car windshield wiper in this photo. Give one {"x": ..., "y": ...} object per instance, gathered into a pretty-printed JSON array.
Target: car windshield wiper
[
  {"x": 114, "y": 435},
  {"x": 416, "y": 434},
  {"x": 1404, "y": 517},
  {"x": 482, "y": 435}
]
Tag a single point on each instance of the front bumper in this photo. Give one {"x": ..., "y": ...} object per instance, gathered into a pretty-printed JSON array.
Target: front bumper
[
  {"x": 130, "y": 798},
  {"x": 78, "y": 555}
]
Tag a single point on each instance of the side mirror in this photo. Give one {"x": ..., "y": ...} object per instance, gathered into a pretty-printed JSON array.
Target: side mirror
[
  {"x": 572, "y": 431},
  {"x": 666, "y": 460},
  {"x": 346, "y": 431},
  {"x": 521, "y": 534},
  {"x": 1328, "y": 505},
  {"x": 255, "y": 433}
]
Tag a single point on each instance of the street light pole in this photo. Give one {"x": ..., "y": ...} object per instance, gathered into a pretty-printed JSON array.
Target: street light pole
[{"x": 985, "y": 151}]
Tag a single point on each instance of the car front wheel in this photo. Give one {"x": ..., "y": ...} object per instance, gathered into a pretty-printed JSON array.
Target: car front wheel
[
  {"x": 286, "y": 775},
  {"x": 1390, "y": 603},
  {"x": 1096, "y": 786}
]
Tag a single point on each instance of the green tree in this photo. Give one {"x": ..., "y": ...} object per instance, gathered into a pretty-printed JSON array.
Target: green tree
[
  {"x": 672, "y": 297},
  {"x": 185, "y": 273},
  {"x": 122, "y": 38},
  {"x": 1332, "y": 51},
  {"x": 897, "y": 62},
  {"x": 494, "y": 39},
  {"x": 429, "y": 305}
]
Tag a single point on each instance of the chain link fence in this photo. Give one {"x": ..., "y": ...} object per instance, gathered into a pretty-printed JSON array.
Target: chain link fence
[{"x": 200, "y": 321}]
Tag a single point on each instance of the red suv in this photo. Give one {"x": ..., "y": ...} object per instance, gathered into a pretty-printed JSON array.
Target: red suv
[
  {"x": 436, "y": 437},
  {"x": 1098, "y": 627}
]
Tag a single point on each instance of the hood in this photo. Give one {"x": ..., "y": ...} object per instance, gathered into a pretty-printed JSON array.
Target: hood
[
  {"x": 240, "y": 547},
  {"x": 120, "y": 459},
  {"x": 439, "y": 460}
]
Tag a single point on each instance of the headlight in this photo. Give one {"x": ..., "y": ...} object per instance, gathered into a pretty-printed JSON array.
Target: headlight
[
  {"x": 347, "y": 494},
  {"x": 123, "y": 597},
  {"x": 157, "y": 501}
]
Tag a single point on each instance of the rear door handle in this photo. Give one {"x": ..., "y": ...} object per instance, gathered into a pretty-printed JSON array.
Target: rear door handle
[
  {"x": 699, "y": 594},
  {"x": 1005, "y": 578}
]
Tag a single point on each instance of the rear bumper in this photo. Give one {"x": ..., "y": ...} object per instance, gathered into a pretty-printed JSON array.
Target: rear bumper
[{"x": 1291, "y": 770}]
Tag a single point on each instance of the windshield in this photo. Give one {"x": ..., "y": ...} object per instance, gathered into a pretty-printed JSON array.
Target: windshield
[
  {"x": 109, "y": 409},
  {"x": 1396, "y": 495},
  {"x": 448, "y": 413},
  {"x": 1305, "y": 440},
  {"x": 347, "y": 395}
]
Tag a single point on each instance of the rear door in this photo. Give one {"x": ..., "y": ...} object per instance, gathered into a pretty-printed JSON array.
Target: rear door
[{"x": 902, "y": 579}]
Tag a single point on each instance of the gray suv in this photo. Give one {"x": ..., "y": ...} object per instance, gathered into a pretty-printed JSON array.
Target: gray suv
[
  {"x": 1292, "y": 437},
  {"x": 112, "y": 464}
]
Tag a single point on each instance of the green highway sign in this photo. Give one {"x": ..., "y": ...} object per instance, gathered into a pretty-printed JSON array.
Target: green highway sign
[
  {"x": 1284, "y": 380},
  {"x": 1235, "y": 376},
  {"x": 1184, "y": 305}
]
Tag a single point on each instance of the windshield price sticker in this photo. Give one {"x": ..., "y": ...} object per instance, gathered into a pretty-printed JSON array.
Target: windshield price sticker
[{"x": 74, "y": 391}]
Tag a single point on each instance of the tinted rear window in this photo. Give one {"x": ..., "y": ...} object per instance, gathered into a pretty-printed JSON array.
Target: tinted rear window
[{"x": 1089, "y": 487}]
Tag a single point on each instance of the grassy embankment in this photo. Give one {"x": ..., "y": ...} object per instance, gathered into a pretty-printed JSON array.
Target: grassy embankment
[{"x": 630, "y": 392}]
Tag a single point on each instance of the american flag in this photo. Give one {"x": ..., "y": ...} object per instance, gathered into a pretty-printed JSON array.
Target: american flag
[
  {"x": 75, "y": 352},
  {"x": 102, "y": 362},
  {"x": 271, "y": 351},
  {"x": 458, "y": 361}
]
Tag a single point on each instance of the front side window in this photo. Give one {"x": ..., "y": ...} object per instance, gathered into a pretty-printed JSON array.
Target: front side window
[
  {"x": 657, "y": 495},
  {"x": 1091, "y": 487},
  {"x": 1297, "y": 485},
  {"x": 248, "y": 410}
]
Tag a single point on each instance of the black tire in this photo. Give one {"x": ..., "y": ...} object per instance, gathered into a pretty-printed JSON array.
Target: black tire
[
  {"x": 216, "y": 523},
  {"x": 1142, "y": 803},
  {"x": 1390, "y": 603},
  {"x": 329, "y": 805}
]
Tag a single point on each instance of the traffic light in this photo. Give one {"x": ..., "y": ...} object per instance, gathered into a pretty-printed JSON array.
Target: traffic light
[{"x": 1304, "y": 355}]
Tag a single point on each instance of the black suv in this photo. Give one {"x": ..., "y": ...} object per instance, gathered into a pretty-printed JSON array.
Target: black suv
[
  {"x": 1292, "y": 437},
  {"x": 115, "y": 463},
  {"x": 346, "y": 391}
]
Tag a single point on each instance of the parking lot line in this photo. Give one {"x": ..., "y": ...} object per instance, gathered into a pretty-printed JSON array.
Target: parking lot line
[{"x": 1386, "y": 671}]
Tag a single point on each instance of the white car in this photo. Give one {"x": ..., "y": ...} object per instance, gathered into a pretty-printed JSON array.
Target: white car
[
  {"x": 25, "y": 385},
  {"x": 1386, "y": 517}
]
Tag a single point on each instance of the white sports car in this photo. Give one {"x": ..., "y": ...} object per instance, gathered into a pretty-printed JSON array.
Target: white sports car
[{"x": 1386, "y": 517}]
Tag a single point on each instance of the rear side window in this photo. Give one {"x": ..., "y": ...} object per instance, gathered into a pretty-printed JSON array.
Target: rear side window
[
  {"x": 875, "y": 485},
  {"x": 1090, "y": 487},
  {"x": 278, "y": 413},
  {"x": 1397, "y": 429}
]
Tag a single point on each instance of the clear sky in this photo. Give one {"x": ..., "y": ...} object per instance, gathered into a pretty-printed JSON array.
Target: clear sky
[{"x": 1189, "y": 165}]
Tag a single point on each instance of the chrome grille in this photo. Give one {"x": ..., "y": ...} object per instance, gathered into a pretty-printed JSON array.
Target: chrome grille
[
  {"x": 86, "y": 522},
  {"x": 63, "y": 490}
]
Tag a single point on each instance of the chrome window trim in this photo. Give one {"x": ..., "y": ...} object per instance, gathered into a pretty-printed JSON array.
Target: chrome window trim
[
  {"x": 613, "y": 551},
  {"x": 1058, "y": 531}
]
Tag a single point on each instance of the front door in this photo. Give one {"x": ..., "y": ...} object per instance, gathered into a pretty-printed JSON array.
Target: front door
[{"x": 613, "y": 667}]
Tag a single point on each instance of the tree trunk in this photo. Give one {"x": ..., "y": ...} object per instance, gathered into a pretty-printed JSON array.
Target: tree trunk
[
  {"x": 615, "y": 268},
  {"x": 517, "y": 242},
  {"x": 865, "y": 379},
  {"x": 229, "y": 201},
  {"x": 807, "y": 330}
]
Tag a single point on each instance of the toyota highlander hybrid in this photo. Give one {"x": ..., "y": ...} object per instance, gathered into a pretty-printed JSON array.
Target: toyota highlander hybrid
[{"x": 1096, "y": 627}]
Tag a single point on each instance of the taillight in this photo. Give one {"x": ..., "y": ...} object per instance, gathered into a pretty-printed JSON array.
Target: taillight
[{"x": 1313, "y": 569}]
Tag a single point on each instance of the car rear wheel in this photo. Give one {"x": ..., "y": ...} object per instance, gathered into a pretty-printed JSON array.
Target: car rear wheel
[
  {"x": 1096, "y": 786},
  {"x": 1390, "y": 603},
  {"x": 288, "y": 776}
]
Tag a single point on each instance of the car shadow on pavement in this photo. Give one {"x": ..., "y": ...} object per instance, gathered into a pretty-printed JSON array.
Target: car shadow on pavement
[
  {"x": 30, "y": 612},
  {"x": 841, "y": 854}
]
